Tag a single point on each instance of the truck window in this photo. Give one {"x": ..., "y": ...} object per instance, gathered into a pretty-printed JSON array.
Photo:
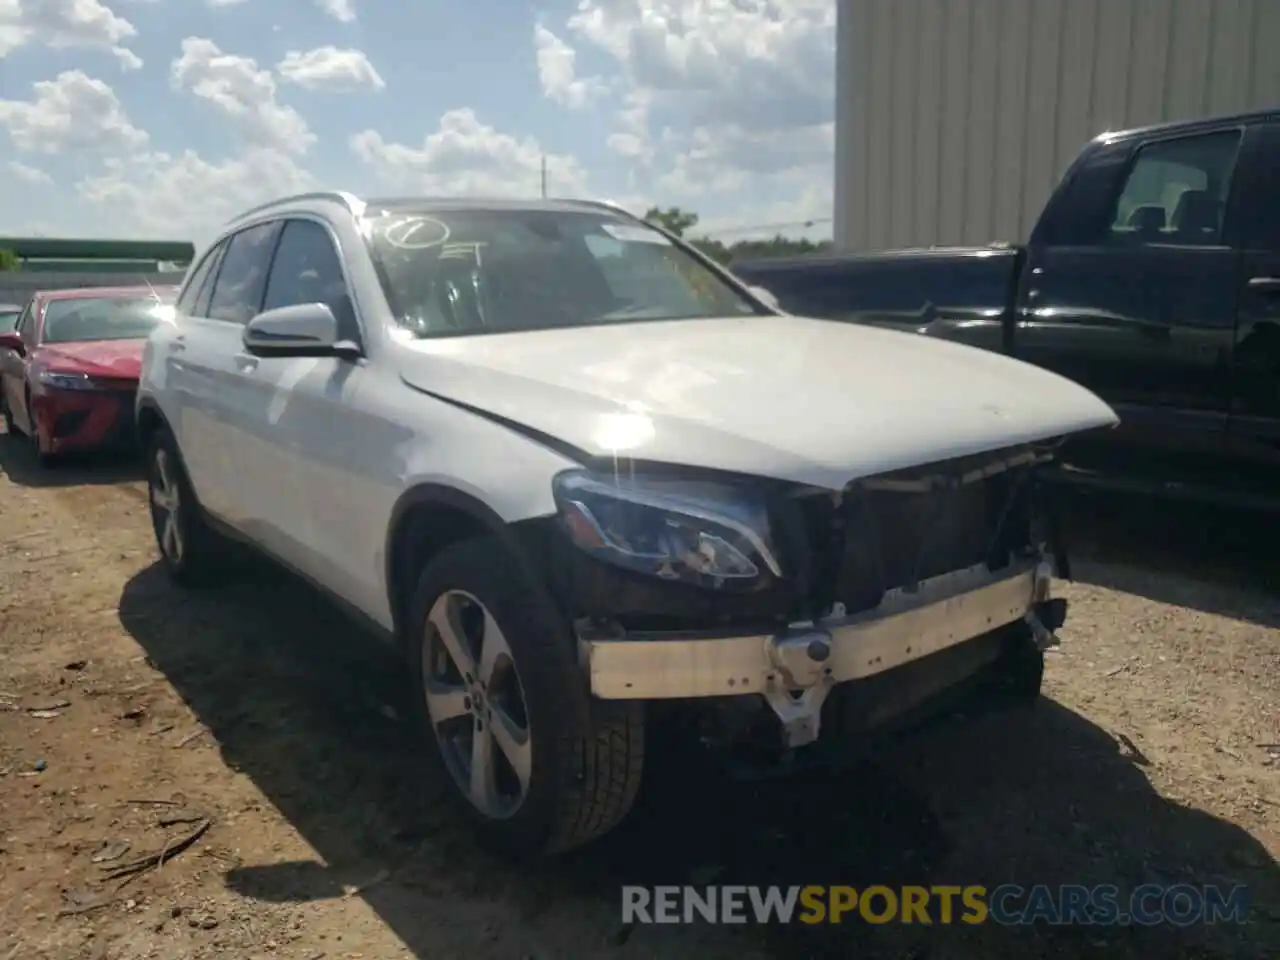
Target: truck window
[{"x": 1176, "y": 192}]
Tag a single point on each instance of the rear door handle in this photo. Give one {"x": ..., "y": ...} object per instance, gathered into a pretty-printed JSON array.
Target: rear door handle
[{"x": 1265, "y": 284}]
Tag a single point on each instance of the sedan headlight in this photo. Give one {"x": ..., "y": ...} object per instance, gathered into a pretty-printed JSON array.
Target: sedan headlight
[
  {"x": 67, "y": 381},
  {"x": 711, "y": 535}
]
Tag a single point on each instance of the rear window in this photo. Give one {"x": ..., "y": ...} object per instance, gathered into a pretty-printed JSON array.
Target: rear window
[
  {"x": 105, "y": 318},
  {"x": 9, "y": 320}
]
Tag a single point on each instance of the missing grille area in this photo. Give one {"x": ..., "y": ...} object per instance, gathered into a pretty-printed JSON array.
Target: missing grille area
[{"x": 894, "y": 531}]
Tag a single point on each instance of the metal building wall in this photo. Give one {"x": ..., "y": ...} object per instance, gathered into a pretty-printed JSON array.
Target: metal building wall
[{"x": 955, "y": 118}]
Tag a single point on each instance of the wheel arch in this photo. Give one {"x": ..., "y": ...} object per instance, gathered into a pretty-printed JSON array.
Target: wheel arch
[
  {"x": 150, "y": 419},
  {"x": 425, "y": 520}
]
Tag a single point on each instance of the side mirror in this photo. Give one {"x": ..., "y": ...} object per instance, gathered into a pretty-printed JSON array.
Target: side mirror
[
  {"x": 12, "y": 340},
  {"x": 767, "y": 296},
  {"x": 303, "y": 330}
]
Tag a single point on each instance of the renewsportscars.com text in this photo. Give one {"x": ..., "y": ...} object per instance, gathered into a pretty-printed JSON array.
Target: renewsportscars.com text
[{"x": 1008, "y": 905}]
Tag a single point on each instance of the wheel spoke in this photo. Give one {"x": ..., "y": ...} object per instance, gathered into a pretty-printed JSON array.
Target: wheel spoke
[
  {"x": 444, "y": 617},
  {"x": 483, "y": 783},
  {"x": 162, "y": 468},
  {"x": 492, "y": 646},
  {"x": 172, "y": 537},
  {"x": 515, "y": 745},
  {"x": 445, "y": 703}
]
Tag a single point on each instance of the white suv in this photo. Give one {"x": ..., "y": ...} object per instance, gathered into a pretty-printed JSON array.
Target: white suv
[{"x": 580, "y": 475}]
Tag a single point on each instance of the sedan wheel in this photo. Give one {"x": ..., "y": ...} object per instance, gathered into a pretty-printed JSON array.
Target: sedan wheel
[
  {"x": 477, "y": 705},
  {"x": 166, "y": 503}
]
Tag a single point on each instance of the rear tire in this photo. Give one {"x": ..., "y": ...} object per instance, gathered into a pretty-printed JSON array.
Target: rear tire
[
  {"x": 9, "y": 427},
  {"x": 517, "y": 683},
  {"x": 193, "y": 554}
]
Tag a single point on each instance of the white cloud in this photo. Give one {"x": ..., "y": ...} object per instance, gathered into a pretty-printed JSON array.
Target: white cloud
[
  {"x": 341, "y": 10},
  {"x": 329, "y": 68},
  {"x": 716, "y": 95},
  {"x": 243, "y": 92},
  {"x": 65, "y": 24},
  {"x": 29, "y": 174},
  {"x": 73, "y": 111},
  {"x": 156, "y": 194},
  {"x": 467, "y": 157},
  {"x": 557, "y": 72}
]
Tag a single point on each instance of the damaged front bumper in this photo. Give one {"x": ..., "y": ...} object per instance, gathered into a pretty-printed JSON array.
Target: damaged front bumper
[{"x": 794, "y": 670}]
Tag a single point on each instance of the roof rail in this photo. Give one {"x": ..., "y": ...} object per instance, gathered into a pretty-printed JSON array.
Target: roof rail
[{"x": 348, "y": 200}]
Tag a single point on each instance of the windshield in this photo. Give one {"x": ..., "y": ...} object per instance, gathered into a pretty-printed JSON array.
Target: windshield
[
  {"x": 9, "y": 320},
  {"x": 491, "y": 271},
  {"x": 105, "y": 318}
]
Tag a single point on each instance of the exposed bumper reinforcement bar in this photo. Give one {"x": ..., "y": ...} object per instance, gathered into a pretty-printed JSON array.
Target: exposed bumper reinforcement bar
[{"x": 795, "y": 669}]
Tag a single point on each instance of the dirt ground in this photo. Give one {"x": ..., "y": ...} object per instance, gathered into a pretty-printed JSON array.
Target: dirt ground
[{"x": 257, "y": 709}]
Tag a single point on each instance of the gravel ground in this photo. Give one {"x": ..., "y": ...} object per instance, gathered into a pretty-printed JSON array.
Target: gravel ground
[{"x": 256, "y": 708}]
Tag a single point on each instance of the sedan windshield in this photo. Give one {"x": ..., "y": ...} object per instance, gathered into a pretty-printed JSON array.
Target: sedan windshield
[
  {"x": 491, "y": 271},
  {"x": 105, "y": 318}
]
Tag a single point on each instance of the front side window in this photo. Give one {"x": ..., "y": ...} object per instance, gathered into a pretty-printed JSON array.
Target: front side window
[
  {"x": 306, "y": 269},
  {"x": 491, "y": 271},
  {"x": 1176, "y": 191},
  {"x": 105, "y": 318},
  {"x": 27, "y": 321}
]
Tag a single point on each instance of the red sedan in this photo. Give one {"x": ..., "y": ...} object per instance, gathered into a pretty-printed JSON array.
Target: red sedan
[{"x": 69, "y": 372}]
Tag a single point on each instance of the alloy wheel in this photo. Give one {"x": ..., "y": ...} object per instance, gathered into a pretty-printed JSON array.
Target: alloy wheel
[
  {"x": 476, "y": 704},
  {"x": 166, "y": 501}
]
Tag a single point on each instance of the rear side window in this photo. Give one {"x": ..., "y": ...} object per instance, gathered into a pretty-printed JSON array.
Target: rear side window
[
  {"x": 199, "y": 277},
  {"x": 242, "y": 278},
  {"x": 1176, "y": 192},
  {"x": 201, "y": 306}
]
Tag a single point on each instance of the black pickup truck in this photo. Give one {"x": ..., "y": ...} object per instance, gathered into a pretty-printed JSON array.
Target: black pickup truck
[{"x": 1152, "y": 277}]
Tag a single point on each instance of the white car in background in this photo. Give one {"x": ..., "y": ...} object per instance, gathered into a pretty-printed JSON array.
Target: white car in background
[{"x": 579, "y": 474}]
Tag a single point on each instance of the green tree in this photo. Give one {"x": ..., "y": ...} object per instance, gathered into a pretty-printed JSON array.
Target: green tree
[
  {"x": 673, "y": 219},
  {"x": 778, "y": 246},
  {"x": 9, "y": 261},
  {"x": 681, "y": 222}
]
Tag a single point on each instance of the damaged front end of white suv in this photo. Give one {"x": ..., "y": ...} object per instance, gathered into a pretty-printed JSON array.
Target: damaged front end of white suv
[{"x": 783, "y": 614}]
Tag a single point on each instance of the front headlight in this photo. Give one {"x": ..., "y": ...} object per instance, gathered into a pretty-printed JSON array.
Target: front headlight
[
  {"x": 67, "y": 381},
  {"x": 711, "y": 535}
]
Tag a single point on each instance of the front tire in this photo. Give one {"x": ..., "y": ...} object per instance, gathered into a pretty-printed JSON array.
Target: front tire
[
  {"x": 535, "y": 763},
  {"x": 192, "y": 552}
]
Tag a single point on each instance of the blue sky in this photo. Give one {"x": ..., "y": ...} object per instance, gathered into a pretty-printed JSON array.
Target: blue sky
[{"x": 166, "y": 117}]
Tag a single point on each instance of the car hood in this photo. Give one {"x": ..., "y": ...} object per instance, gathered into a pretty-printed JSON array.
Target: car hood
[
  {"x": 121, "y": 359},
  {"x": 810, "y": 401}
]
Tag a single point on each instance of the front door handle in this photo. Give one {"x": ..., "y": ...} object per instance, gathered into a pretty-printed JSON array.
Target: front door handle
[
  {"x": 1265, "y": 284},
  {"x": 246, "y": 363}
]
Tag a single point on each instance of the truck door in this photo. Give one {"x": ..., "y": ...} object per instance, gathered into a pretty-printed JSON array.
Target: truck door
[
  {"x": 1141, "y": 306},
  {"x": 1254, "y": 426}
]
